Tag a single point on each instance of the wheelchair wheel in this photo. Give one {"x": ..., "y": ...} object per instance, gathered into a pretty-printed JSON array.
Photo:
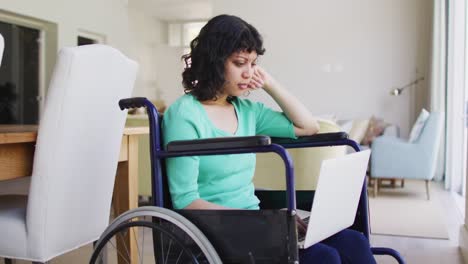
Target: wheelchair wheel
[{"x": 159, "y": 236}]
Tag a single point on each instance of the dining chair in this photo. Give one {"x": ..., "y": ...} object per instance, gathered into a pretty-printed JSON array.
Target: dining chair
[{"x": 75, "y": 160}]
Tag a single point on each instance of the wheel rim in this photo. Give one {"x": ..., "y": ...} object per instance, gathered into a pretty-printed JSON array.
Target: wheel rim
[{"x": 156, "y": 241}]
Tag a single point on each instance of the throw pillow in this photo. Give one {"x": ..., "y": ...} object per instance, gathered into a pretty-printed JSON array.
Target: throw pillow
[
  {"x": 328, "y": 126},
  {"x": 345, "y": 125},
  {"x": 418, "y": 126},
  {"x": 331, "y": 117},
  {"x": 358, "y": 130},
  {"x": 376, "y": 128}
]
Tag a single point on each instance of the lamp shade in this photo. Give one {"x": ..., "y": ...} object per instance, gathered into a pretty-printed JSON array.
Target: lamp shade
[{"x": 398, "y": 91}]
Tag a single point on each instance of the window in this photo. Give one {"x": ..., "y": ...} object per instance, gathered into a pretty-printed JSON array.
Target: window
[
  {"x": 85, "y": 41},
  {"x": 181, "y": 34},
  {"x": 86, "y": 37},
  {"x": 29, "y": 57},
  {"x": 19, "y": 75}
]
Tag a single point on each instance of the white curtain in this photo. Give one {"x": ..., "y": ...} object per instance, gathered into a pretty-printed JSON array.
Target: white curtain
[{"x": 438, "y": 72}]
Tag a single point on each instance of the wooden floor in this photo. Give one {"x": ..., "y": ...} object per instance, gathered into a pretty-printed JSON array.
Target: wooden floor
[
  {"x": 414, "y": 250},
  {"x": 427, "y": 251}
]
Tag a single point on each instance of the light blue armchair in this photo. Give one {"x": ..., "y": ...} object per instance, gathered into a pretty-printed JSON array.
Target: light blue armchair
[{"x": 394, "y": 157}]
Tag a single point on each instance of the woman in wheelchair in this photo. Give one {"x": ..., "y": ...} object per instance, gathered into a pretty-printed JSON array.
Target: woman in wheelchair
[{"x": 221, "y": 67}]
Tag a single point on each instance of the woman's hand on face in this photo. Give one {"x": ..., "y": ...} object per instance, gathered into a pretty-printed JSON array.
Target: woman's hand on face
[{"x": 260, "y": 78}]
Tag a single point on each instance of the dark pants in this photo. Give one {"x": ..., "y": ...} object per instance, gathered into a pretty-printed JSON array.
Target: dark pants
[{"x": 347, "y": 246}]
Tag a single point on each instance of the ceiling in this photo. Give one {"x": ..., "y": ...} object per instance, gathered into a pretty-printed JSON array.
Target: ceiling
[{"x": 175, "y": 10}]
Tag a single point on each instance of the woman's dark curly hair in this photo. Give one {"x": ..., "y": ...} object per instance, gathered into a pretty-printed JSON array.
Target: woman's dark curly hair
[{"x": 223, "y": 35}]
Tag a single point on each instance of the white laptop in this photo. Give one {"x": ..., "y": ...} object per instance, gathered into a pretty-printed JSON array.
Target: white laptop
[{"x": 336, "y": 197}]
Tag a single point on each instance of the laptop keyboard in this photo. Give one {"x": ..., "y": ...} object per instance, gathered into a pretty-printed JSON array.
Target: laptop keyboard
[{"x": 301, "y": 236}]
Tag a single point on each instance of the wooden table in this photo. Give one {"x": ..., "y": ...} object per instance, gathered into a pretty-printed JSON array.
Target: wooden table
[{"x": 17, "y": 144}]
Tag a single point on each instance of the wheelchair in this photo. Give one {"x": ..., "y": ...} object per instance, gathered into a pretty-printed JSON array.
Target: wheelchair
[{"x": 267, "y": 235}]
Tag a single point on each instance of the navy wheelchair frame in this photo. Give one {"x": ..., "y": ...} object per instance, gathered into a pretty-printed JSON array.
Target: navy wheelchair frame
[{"x": 206, "y": 219}]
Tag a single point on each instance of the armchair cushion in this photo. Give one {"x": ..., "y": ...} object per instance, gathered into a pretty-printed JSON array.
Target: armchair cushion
[
  {"x": 418, "y": 126},
  {"x": 358, "y": 130},
  {"x": 13, "y": 222},
  {"x": 375, "y": 128},
  {"x": 394, "y": 157}
]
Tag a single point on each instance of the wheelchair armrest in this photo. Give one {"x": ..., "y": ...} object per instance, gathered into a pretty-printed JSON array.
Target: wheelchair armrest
[
  {"x": 317, "y": 138},
  {"x": 235, "y": 145},
  {"x": 218, "y": 143}
]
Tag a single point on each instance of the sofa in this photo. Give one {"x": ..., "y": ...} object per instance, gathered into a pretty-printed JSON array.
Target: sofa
[{"x": 270, "y": 171}]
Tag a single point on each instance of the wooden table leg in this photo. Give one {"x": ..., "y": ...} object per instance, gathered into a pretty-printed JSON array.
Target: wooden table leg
[
  {"x": 126, "y": 196},
  {"x": 376, "y": 187}
]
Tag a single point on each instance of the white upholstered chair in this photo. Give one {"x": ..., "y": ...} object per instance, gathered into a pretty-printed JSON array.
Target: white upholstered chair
[{"x": 75, "y": 160}]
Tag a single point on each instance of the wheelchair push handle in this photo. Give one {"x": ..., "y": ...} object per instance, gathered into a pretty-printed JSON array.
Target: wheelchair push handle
[{"x": 135, "y": 102}]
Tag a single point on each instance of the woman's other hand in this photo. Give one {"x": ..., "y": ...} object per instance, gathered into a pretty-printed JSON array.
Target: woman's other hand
[{"x": 301, "y": 226}]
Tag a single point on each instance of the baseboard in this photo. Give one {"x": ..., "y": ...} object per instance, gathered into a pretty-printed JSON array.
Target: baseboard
[{"x": 463, "y": 243}]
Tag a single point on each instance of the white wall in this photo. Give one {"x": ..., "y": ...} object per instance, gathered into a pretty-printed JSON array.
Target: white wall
[
  {"x": 343, "y": 57},
  {"x": 160, "y": 65},
  {"x": 107, "y": 17},
  {"x": 340, "y": 56},
  {"x": 170, "y": 69},
  {"x": 145, "y": 33},
  {"x": 125, "y": 27},
  {"x": 63, "y": 20}
]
